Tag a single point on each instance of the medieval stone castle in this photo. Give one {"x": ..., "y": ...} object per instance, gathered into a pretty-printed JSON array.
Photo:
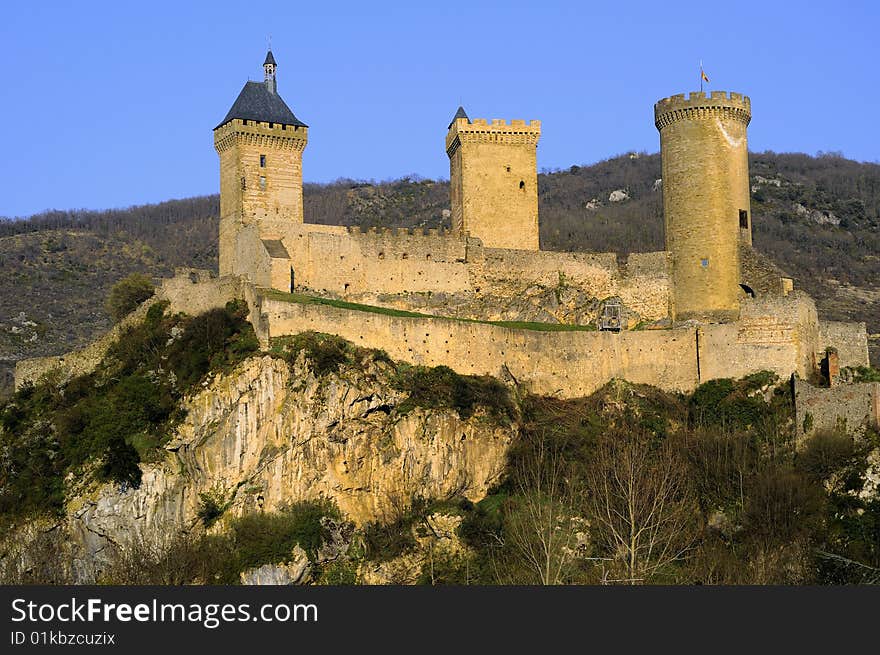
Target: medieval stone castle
[{"x": 706, "y": 307}]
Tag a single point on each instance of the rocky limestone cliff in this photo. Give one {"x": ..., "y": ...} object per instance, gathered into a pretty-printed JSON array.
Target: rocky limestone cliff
[{"x": 269, "y": 434}]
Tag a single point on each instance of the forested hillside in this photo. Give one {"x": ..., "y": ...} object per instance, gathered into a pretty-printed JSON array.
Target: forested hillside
[{"x": 817, "y": 217}]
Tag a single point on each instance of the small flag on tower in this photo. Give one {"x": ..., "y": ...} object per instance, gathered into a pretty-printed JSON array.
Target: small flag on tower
[{"x": 703, "y": 75}]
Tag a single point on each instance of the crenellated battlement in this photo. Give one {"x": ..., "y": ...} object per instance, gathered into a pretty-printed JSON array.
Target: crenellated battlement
[
  {"x": 498, "y": 130},
  {"x": 399, "y": 231},
  {"x": 277, "y": 135},
  {"x": 697, "y": 105}
]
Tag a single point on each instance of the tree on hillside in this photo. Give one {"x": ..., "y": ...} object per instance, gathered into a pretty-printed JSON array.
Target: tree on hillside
[
  {"x": 127, "y": 294},
  {"x": 639, "y": 504},
  {"x": 543, "y": 523}
]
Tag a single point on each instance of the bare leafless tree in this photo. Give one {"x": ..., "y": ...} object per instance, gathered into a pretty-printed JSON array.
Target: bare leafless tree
[
  {"x": 639, "y": 504},
  {"x": 543, "y": 523}
]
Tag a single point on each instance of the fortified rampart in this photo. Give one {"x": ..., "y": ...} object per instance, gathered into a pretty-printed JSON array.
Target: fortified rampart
[
  {"x": 564, "y": 363},
  {"x": 850, "y": 340},
  {"x": 773, "y": 335},
  {"x": 779, "y": 334},
  {"x": 350, "y": 262},
  {"x": 846, "y": 407}
]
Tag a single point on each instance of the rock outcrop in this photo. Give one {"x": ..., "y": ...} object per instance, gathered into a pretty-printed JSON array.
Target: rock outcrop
[{"x": 269, "y": 434}]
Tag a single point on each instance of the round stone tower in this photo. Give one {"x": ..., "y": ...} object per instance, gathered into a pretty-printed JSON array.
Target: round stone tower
[{"x": 704, "y": 155}]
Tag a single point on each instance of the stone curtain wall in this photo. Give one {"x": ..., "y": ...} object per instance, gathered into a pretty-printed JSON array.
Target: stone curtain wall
[
  {"x": 569, "y": 364},
  {"x": 850, "y": 339},
  {"x": 348, "y": 263},
  {"x": 848, "y": 406},
  {"x": 777, "y": 334}
]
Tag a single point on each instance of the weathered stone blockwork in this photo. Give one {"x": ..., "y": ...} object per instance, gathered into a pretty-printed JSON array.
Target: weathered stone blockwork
[
  {"x": 568, "y": 364},
  {"x": 850, "y": 340},
  {"x": 494, "y": 181},
  {"x": 849, "y": 407},
  {"x": 704, "y": 155}
]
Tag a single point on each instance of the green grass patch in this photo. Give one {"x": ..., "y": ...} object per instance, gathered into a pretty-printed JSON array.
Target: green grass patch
[{"x": 303, "y": 299}]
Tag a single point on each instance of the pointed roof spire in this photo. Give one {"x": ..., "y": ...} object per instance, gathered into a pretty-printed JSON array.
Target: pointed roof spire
[
  {"x": 269, "y": 67},
  {"x": 459, "y": 114}
]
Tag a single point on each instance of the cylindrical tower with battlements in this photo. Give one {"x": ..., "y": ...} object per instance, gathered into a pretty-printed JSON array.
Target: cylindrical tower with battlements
[{"x": 704, "y": 155}]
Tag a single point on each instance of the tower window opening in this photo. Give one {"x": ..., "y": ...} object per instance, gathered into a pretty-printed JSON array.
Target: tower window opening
[
  {"x": 508, "y": 168},
  {"x": 744, "y": 219},
  {"x": 271, "y": 125},
  {"x": 243, "y": 184},
  {"x": 522, "y": 184},
  {"x": 262, "y": 161},
  {"x": 244, "y": 121},
  {"x": 263, "y": 182}
]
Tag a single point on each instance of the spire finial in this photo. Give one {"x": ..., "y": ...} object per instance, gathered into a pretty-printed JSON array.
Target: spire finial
[{"x": 269, "y": 66}]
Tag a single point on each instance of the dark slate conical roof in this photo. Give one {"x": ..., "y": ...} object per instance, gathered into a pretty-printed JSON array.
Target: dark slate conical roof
[
  {"x": 257, "y": 103},
  {"x": 269, "y": 59},
  {"x": 459, "y": 114}
]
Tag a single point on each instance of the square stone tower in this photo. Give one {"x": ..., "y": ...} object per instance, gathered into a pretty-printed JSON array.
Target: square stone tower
[
  {"x": 493, "y": 174},
  {"x": 260, "y": 143}
]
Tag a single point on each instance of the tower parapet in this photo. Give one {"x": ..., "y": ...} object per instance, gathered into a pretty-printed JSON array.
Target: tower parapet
[
  {"x": 494, "y": 180},
  {"x": 733, "y": 106},
  {"x": 704, "y": 154}
]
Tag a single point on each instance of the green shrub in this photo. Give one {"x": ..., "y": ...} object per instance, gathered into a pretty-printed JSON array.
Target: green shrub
[
  {"x": 215, "y": 340},
  {"x": 118, "y": 415},
  {"x": 865, "y": 374},
  {"x": 826, "y": 453},
  {"x": 326, "y": 351},
  {"x": 339, "y": 572},
  {"x": 212, "y": 504},
  {"x": 121, "y": 463},
  {"x": 732, "y": 404},
  {"x": 270, "y": 538},
  {"x": 127, "y": 294},
  {"x": 385, "y": 541},
  {"x": 440, "y": 386}
]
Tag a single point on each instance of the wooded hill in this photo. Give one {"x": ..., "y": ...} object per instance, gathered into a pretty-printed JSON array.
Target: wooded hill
[{"x": 818, "y": 218}]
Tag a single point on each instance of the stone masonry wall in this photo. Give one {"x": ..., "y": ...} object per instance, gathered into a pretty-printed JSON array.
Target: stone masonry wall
[
  {"x": 567, "y": 363},
  {"x": 850, "y": 339},
  {"x": 847, "y": 406},
  {"x": 348, "y": 263},
  {"x": 779, "y": 334}
]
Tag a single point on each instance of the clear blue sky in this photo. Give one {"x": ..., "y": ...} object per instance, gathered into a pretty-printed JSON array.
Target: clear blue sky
[{"x": 112, "y": 104}]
